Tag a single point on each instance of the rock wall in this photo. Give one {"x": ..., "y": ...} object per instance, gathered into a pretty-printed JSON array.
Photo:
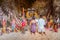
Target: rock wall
[
  {"x": 8, "y": 7},
  {"x": 57, "y": 7},
  {"x": 44, "y": 7},
  {"x": 41, "y": 7}
]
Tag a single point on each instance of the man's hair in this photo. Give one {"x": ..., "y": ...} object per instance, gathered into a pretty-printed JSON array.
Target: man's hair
[{"x": 40, "y": 16}]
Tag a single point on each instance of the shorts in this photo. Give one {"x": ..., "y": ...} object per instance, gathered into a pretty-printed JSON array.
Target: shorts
[{"x": 41, "y": 29}]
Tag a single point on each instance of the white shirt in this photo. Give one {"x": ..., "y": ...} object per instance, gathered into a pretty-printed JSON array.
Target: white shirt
[{"x": 41, "y": 23}]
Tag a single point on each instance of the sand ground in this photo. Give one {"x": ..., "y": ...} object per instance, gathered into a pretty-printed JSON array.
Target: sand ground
[{"x": 28, "y": 36}]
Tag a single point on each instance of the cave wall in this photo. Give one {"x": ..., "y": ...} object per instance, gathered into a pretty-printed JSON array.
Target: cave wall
[{"x": 42, "y": 6}]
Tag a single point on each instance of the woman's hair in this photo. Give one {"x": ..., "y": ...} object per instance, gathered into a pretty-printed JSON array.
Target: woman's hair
[{"x": 33, "y": 18}]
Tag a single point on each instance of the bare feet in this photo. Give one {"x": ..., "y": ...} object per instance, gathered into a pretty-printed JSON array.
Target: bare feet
[{"x": 44, "y": 33}]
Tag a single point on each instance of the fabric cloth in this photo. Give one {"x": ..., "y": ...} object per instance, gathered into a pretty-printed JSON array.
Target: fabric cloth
[
  {"x": 41, "y": 24},
  {"x": 13, "y": 24},
  {"x": 33, "y": 27}
]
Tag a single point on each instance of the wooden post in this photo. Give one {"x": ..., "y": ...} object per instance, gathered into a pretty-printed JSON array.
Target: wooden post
[{"x": 23, "y": 12}]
